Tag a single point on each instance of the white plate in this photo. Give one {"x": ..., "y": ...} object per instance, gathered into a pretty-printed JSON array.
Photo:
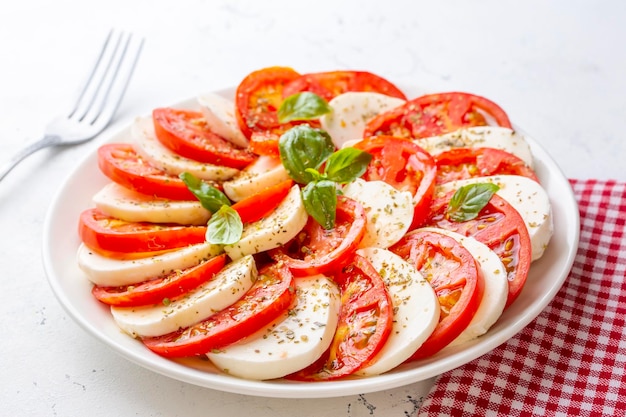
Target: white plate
[{"x": 74, "y": 291}]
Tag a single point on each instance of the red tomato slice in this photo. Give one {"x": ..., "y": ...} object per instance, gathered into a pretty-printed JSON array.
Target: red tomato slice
[
  {"x": 259, "y": 96},
  {"x": 463, "y": 163},
  {"x": 156, "y": 290},
  {"x": 404, "y": 165},
  {"x": 330, "y": 84},
  {"x": 454, "y": 275},
  {"x": 264, "y": 143},
  {"x": 502, "y": 229},
  {"x": 104, "y": 233},
  {"x": 186, "y": 133},
  {"x": 261, "y": 204},
  {"x": 365, "y": 321},
  {"x": 122, "y": 164},
  {"x": 316, "y": 250},
  {"x": 436, "y": 114},
  {"x": 272, "y": 293}
]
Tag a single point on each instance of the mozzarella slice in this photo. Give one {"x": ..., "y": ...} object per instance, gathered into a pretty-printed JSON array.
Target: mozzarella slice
[
  {"x": 528, "y": 197},
  {"x": 278, "y": 228},
  {"x": 480, "y": 137},
  {"x": 389, "y": 212},
  {"x": 262, "y": 173},
  {"x": 131, "y": 206},
  {"x": 290, "y": 343},
  {"x": 109, "y": 272},
  {"x": 148, "y": 147},
  {"x": 352, "y": 111},
  {"x": 496, "y": 286},
  {"x": 415, "y": 305},
  {"x": 219, "y": 113},
  {"x": 226, "y": 287}
]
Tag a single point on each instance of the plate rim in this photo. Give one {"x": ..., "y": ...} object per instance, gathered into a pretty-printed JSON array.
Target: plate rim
[{"x": 401, "y": 376}]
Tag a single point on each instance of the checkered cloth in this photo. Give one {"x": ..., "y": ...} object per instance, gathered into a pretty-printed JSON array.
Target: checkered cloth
[{"x": 571, "y": 360}]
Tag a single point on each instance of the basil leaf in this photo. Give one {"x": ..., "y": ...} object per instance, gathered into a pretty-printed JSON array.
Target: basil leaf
[
  {"x": 347, "y": 164},
  {"x": 302, "y": 106},
  {"x": 303, "y": 147},
  {"x": 224, "y": 227},
  {"x": 210, "y": 197},
  {"x": 320, "y": 201},
  {"x": 469, "y": 200}
]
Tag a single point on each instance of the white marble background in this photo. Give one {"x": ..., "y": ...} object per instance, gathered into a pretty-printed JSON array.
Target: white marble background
[{"x": 557, "y": 67}]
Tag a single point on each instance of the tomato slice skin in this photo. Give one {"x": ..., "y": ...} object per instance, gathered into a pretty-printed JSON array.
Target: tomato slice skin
[
  {"x": 404, "y": 165},
  {"x": 264, "y": 143},
  {"x": 157, "y": 290},
  {"x": 258, "y": 98},
  {"x": 186, "y": 133},
  {"x": 108, "y": 234},
  {"x": 123, "y": 165},
  {"x": 463, "y": 163},
  {"x": 502, "y": 229},
  {"x": 436, "y": 114},
  {"x": 456, "y": 278},
  {"x": 272, "y": 293},
  {"x": 261, "y": 204},
  {"x": 332, "y": 83},
  {"x": 365, "y": 321},
  {"x": 319, "y": 251}
]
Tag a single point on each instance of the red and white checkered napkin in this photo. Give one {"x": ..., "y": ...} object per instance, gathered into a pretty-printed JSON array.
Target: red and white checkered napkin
[{"x": 571, "y": 360}]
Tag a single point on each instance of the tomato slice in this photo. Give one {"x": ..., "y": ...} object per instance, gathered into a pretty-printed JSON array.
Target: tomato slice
[
  {"x": 272, "y": 293},
  {"x": 261, "y": 204},
  {"x": 157, "y": 290},
  {"x": 259, "y": 96},
  {"x": 463, "y": 163},
  {"x": 436, "y": 114},
  {"x": 104, "y": 233},
  {"x": 186, "y": 133},
  {"x": 456, "y": 278},
  {"x": 330, "y": 84},
  {"x": 404, "y": 165},
  {"x": 316, "y": 250},
  {"x": 264, "y": 143},
  {"x": 365, "y": 321},
  {"x": 122, "y": 164},
  {"x": 502, "y": 229}
]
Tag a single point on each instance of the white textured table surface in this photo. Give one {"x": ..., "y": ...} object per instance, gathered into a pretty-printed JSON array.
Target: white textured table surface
[{"x": 558, "y": 68}]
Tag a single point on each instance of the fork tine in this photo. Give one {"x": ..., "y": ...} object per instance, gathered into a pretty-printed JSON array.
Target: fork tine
[
  {"x": 98, "y": 88},
  {"x": 119, "y": 82}
]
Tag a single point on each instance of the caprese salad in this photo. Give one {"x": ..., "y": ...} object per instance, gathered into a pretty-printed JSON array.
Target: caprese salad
[{"x": 314, "y": 226}]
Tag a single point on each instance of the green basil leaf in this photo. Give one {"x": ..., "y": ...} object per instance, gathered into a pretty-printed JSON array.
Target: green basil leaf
[
  {"x": 347, "y": 164},
  {"x": 469, "y": 200},
  {"x": 302, "y": 106},
  {"x": 303, "y": 147},
  {"x": 320, "y": 201},
  {"x": 210, "y": 197},
  {"x": 224, "y": 227}
]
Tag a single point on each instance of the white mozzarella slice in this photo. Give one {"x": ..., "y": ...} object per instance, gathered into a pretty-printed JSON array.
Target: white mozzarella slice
[
  {"x": 131, "y": 206},
  {"x": 226, "y": 287},
  {"x": 389, "y": 211},
  {"x": 528, "y": 197},
  {"x": 262, "y": 173},
  {"x": 352, "y": 111},
  {"x": 219, "y": 113},
  {"x": 415, "y": 305},
  {"x": 148, "y": 147},
  {"x": 496, "y": 286},
  {"x": 108, "y": 272},
  {"x": 293, "y": 341},
  {"x": 278, "y": 228},
  {"x": 480, "y": 137}
]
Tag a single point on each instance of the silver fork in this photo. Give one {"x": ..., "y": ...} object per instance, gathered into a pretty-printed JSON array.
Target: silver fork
[{"x": 97, "y": 102}]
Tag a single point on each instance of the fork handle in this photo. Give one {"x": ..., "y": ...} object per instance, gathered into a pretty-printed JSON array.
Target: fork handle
[{"x": 46, "y": 141}]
